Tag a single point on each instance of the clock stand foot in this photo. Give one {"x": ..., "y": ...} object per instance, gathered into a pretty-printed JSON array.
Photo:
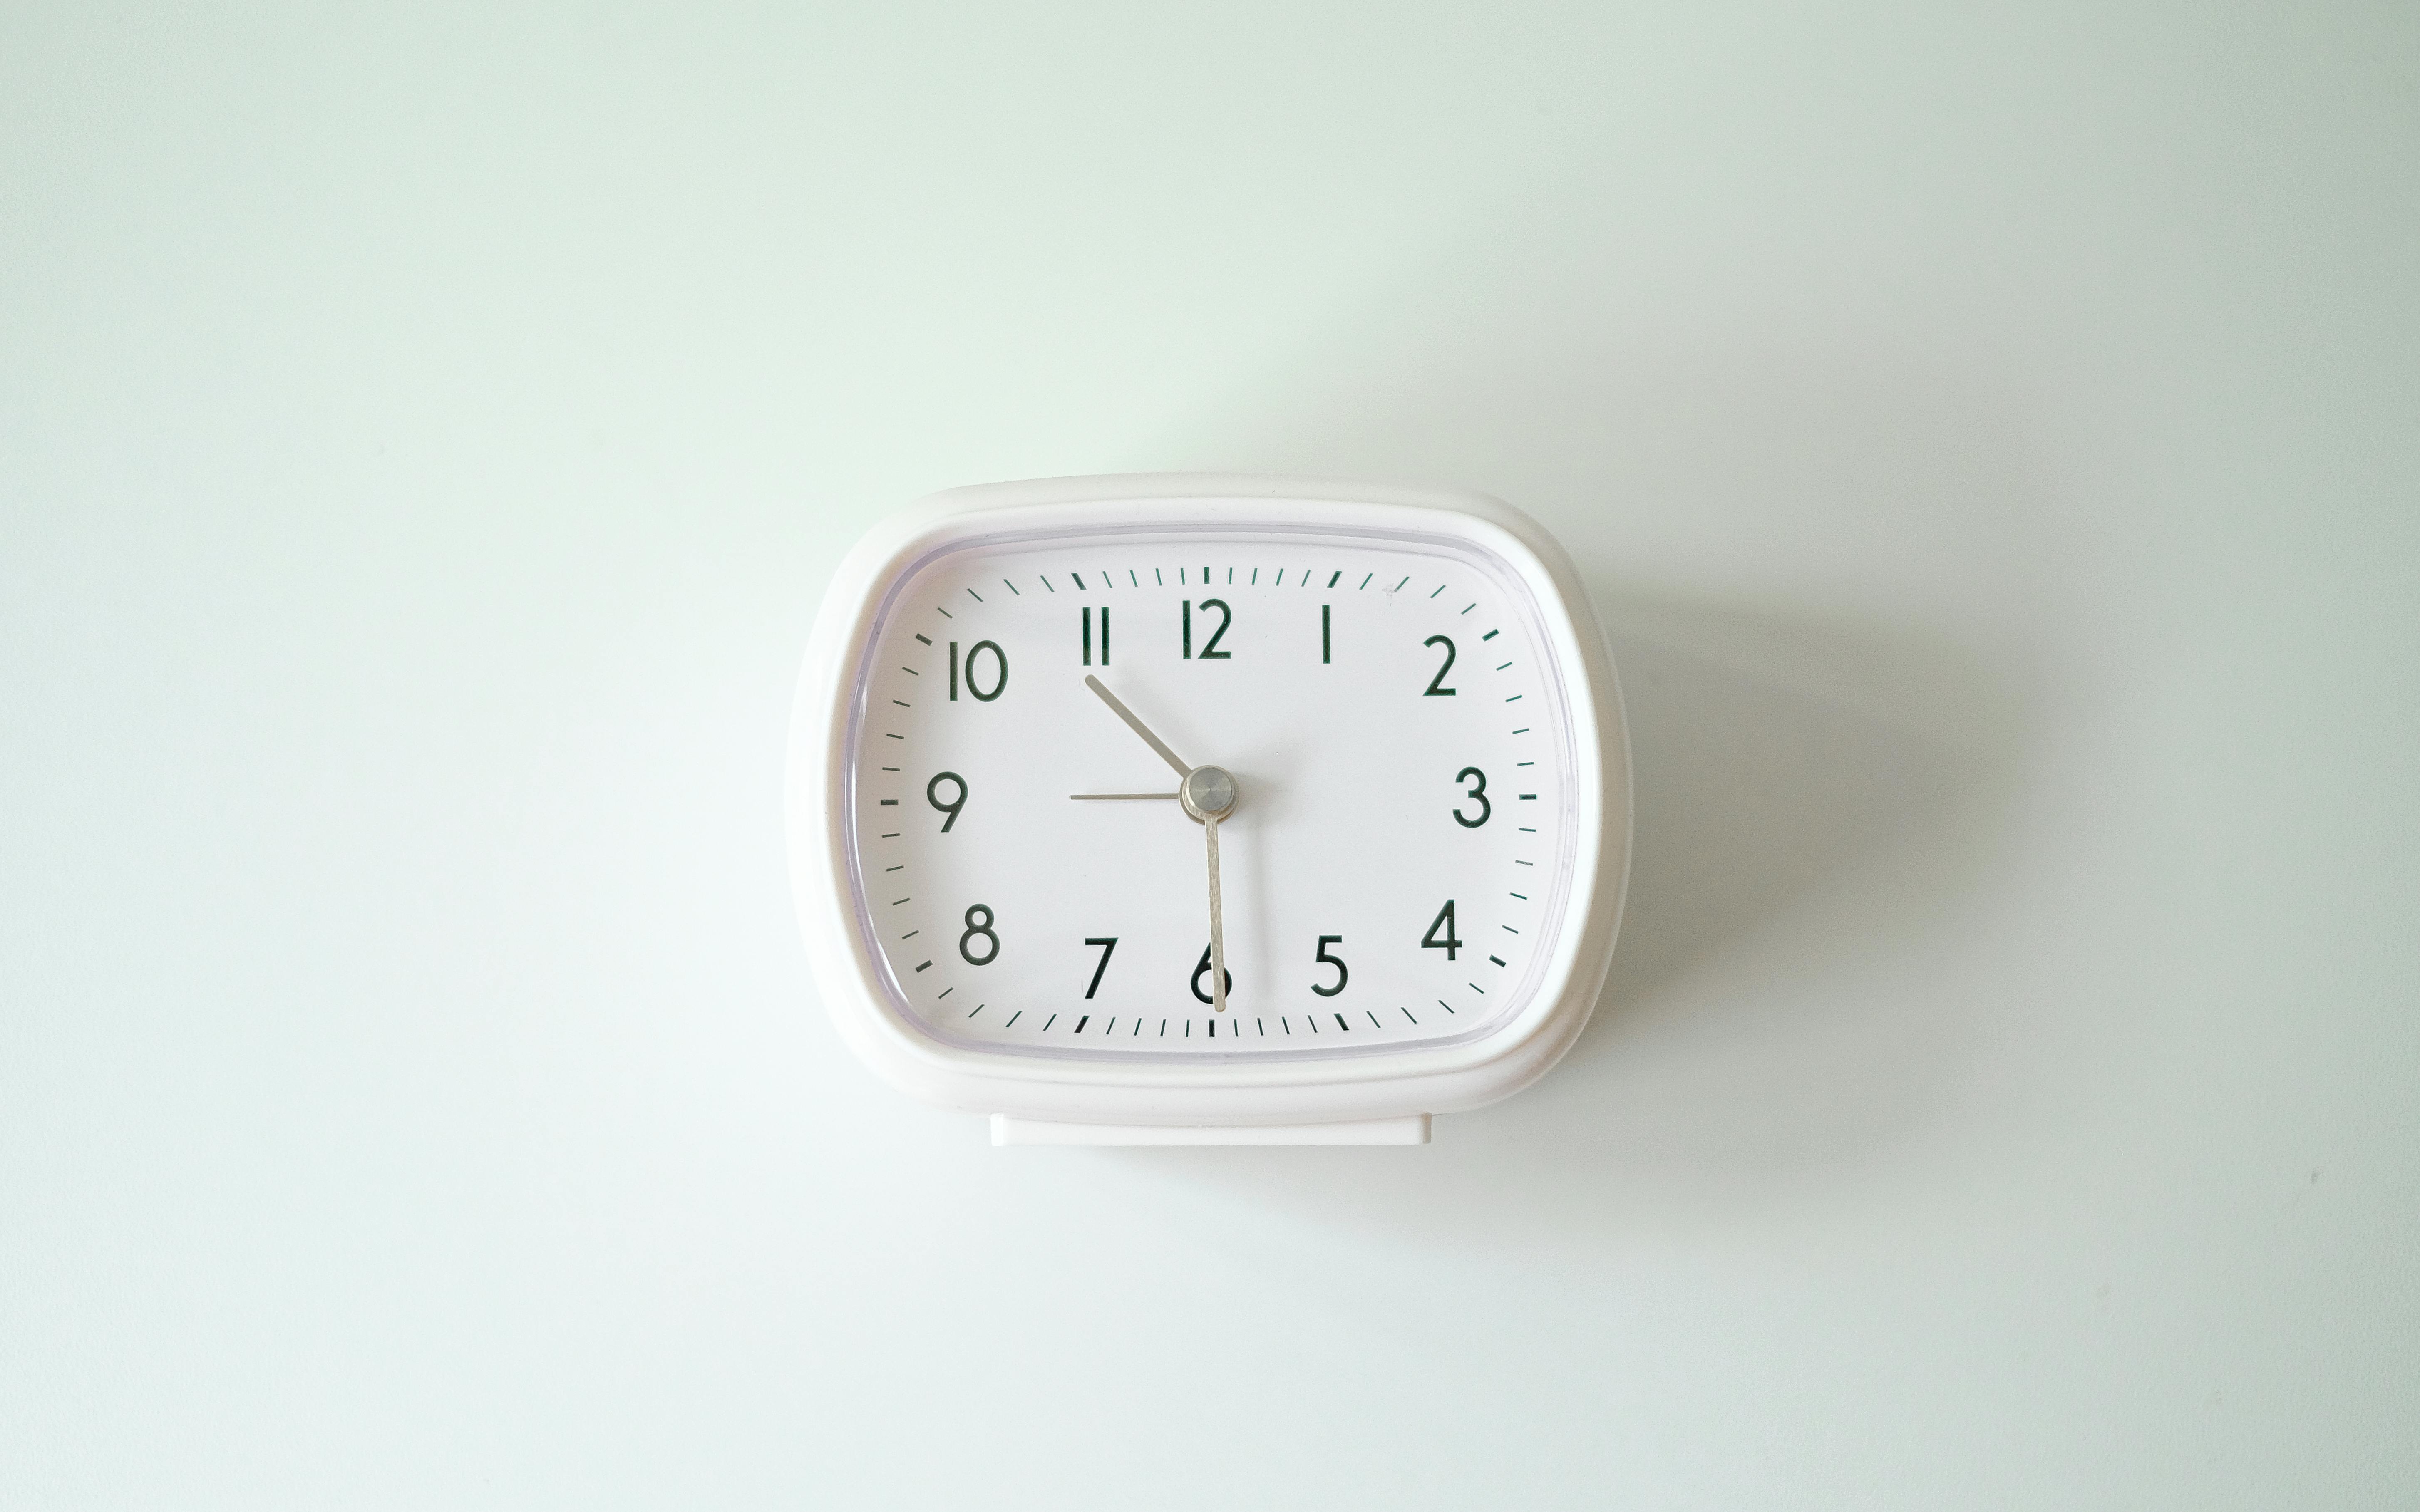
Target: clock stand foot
[{"x": 1412, "y": 1130}]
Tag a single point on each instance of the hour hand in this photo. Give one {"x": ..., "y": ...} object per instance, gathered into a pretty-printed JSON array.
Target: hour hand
[{"x": 1137, "y": 725}]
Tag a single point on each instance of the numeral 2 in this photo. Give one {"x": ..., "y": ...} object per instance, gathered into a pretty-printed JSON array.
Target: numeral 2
[{"x": 1437, "y": 684}]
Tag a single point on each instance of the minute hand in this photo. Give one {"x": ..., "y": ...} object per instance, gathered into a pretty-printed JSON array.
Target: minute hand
[
  {"x": 1217, "y": 930},
  {"x": 1208, "y": 793}
]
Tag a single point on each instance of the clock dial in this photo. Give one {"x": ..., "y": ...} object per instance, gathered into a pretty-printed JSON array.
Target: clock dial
[{"x": 1392, "y": 873}]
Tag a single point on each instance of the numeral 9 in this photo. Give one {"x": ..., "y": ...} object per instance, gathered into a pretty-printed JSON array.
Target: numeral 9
[{"x": 933, "y": 796}]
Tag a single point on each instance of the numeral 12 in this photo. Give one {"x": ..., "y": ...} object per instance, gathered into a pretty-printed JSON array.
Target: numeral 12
[{"x": 1210, "y": 651}]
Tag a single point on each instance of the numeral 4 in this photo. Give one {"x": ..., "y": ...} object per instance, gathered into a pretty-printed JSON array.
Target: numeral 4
[{"x": 1444, "y": 920}]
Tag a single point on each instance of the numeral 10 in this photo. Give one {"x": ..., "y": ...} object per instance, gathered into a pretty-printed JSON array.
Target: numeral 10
[{"x": 1000, "y": 679}]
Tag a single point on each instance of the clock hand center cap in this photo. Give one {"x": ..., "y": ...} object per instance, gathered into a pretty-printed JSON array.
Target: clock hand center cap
[{"x": 1207, "y": 792}]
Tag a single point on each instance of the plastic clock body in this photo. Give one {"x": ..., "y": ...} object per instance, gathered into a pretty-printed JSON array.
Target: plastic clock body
[{"x": 1062, "y": 747}]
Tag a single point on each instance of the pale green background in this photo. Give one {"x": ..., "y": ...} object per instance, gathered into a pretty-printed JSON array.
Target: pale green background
[{"x": 424, "y": 440}]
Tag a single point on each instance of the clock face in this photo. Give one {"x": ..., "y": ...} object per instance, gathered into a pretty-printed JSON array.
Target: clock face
[{"x": 1392, "y": 872}]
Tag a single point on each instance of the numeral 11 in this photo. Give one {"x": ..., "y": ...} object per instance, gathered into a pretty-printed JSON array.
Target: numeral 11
[{"x": 1105, "y": 636}]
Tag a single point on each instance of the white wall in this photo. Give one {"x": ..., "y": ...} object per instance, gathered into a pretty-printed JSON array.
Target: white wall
[{"x": 424, "y": 438}]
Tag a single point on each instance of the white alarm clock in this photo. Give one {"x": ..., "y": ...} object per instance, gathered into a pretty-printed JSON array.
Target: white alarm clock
[{"x": 1208, "y": 809}]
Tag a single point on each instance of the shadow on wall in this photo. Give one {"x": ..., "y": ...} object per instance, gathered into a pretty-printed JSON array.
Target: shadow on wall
[
  {"x": 1813, "y": 802},
  {"x": 1821, "y": 802}
]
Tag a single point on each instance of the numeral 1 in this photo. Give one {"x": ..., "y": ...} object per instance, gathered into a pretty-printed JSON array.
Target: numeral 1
[{"x": 1322, "y": 634}]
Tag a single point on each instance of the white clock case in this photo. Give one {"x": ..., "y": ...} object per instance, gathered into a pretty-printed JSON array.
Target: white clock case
[{"x": 1378, "y": 1098}]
